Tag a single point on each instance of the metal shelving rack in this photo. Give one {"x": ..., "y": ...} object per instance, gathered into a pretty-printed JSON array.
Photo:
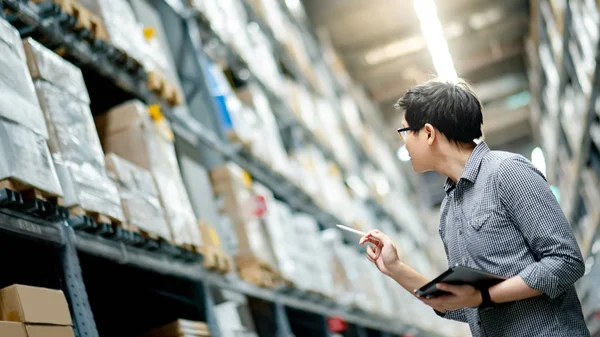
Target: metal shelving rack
[
  {"x": 555, "y": 63},
  {"x": 209, "y": 143}
]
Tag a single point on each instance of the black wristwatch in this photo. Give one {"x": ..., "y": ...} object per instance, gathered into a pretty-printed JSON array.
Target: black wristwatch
[{"x": 486, "y": 301}]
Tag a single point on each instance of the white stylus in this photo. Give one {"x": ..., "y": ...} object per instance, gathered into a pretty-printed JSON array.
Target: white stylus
[{"x": 352, "y": 230}]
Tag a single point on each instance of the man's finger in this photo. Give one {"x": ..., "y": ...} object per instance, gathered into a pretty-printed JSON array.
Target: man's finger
[
  {"x": 377, "y": 235},
  {"x": 369, "y": 239},
  {"x": 372, "y": 253},
  {"x": 369, "y": 257}
]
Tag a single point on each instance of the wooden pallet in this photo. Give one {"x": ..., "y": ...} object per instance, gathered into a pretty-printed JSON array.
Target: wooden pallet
[
  {"x": 84, "y": 18},
  {"x": 215, "y": 260},
  {"x": 162, "y": 86},
  {"x": 29, "y": 192},
  {"x": 259, "y": 273},
  {"x": 97, "y": 217}
]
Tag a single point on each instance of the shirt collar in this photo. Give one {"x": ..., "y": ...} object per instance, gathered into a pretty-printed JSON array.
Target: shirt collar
[{"x": 471, "y": 168}]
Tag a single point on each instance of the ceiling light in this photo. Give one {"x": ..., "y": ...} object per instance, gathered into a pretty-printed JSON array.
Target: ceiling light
[
  {"x": 292, "y": 4},
  {"x": 436, "y": 42}
]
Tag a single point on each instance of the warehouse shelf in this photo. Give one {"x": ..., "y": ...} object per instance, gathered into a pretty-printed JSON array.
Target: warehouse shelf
[
  {"x": 286, "y": 117},
  {"x": 22, "y": 225},
  {"x": 571, "y": 139},
  {"x": 571, "y": 65},
  {"x": 126, "y": 255},
  {"x": 101, "y": 59},
  {"x": 188, "y": 128}
]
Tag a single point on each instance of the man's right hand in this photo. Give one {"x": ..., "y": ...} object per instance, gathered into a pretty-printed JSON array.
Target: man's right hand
[{"x": 383, "y": 253}]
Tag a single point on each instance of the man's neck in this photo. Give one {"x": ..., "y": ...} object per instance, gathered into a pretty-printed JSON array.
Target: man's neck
[{"x": 453, "y": 163}]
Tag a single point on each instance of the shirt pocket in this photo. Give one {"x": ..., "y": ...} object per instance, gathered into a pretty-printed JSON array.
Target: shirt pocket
[{"x": 479, "y": 220}]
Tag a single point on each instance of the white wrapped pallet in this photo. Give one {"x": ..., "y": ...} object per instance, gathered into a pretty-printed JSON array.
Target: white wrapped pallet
[
  {"x": 139, "y": 196},
  {"x": 73, "y": 140},
  {"x": 128, "y": 131},
  {"x": 18, "y": 101},
  {"x": 26, "y": 158}
]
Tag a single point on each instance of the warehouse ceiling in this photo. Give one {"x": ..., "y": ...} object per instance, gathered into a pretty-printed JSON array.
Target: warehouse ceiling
[{"x": 383, "y": 48}]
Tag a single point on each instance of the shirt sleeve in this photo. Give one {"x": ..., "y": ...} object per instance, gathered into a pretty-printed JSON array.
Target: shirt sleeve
[
  {"x": 455, "y": 315},
  {"x": 534, "y": 209}
]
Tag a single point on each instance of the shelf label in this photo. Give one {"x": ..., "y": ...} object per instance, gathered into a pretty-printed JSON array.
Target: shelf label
[{"x": 29, "y": 227}]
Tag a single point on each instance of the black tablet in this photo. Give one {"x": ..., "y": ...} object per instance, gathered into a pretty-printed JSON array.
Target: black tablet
[{"x": 459, "y": 275}]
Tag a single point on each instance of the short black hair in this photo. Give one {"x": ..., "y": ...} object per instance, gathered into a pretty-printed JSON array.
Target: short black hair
[{"x": 452, "y": 108}]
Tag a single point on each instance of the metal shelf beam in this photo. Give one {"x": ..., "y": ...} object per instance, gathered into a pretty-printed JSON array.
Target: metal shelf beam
[{"x": 29, "y": 227}]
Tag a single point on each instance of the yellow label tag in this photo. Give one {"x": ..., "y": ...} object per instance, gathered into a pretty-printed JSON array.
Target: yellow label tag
[
  {"x": 155, "y": 112},
  {"x": 247, "y": 179},
  {"x": 149, "y": 33},
  {"x": 214, "y": 237}
]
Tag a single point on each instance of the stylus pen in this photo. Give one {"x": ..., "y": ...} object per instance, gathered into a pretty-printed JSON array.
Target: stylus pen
[{"x": 352, "y": 230}]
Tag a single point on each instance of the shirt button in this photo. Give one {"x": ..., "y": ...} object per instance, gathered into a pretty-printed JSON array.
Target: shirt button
[{"x": 460, "y": 232}]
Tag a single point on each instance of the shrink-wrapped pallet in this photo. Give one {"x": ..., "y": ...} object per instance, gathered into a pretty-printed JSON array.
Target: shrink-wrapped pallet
[
  {"x": 72, "y": 137},
  {"x": 139, "y": 196},
  {"x": 128, "y": 131}
]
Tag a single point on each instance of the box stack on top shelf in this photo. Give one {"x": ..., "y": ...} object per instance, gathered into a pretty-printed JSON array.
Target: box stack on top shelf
[
  {"x": 301, "y": 152},
  {"x": 565, "y": 79},
  {"x": 73, "y": 140},
  {"x": 24, "y": 144}
]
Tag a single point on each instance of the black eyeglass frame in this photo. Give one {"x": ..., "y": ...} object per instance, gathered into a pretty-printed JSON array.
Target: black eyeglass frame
[{"x": 403, "y": 130}]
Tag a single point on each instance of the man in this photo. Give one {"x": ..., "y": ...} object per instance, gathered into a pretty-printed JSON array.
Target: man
[{"x": 499, "y": 215}]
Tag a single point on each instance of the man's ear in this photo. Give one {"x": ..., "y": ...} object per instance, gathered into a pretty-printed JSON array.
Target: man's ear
[{"x": 430, "y": 133}]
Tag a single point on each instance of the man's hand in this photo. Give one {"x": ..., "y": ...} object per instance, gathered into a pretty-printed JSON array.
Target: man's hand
[
  {"x": 383, "y": 253},
  {"x": 462, "y": 296}
]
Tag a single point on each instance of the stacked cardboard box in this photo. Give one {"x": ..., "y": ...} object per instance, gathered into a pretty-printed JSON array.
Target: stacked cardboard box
[
  {"x": 34, "y": 312},
  {"x": 139, "y": 196},
  {"x": 234, "y": 319},
  {"x": 73, "y": 140},
  {"x": 23, "y": 133},
  {"x": 178, "y": 328},
  {"x": 128, "y": 131},
  {"x": 233, "y": 186},
  {"x": 268, "y": 144},
  {"x": 123, "y": 29}
]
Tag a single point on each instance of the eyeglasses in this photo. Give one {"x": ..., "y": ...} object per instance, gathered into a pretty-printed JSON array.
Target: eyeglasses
[{"x": 402, "y": 132}]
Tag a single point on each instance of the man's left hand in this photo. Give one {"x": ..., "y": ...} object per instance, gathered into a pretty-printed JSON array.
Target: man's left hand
[{"x": 460, "y": 296}]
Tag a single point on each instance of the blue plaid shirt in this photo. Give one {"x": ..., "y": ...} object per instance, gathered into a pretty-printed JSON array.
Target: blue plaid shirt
[{"x": 502, "y": 217}]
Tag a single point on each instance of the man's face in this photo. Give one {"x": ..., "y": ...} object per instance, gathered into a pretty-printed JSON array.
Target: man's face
[{"x": 418, "y": 149}]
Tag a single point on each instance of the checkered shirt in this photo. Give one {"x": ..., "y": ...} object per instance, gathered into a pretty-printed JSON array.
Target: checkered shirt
[{"x": 502, "y": 217}]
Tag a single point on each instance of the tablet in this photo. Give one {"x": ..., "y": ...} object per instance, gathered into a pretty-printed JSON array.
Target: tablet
[{"x": 459, "y": 275}]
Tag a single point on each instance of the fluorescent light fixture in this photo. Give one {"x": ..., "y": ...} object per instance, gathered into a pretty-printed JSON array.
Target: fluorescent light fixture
[
  {"x": 436, "y": 42},
  {"x": 538, "y": 160},
  {"x": 293, "y": 4},
  {"x": 403, "y": 154}
]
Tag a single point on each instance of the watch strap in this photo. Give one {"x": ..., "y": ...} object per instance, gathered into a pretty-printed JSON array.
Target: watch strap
[{"x": 486, "y": 300}]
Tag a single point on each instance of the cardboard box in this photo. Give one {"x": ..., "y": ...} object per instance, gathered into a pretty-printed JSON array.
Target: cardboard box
[
  {"x": 122, "y": 27},
  {"x": 46, "y": 65},
  {"x": 18, "y": 101},
  {"x": 12, "y": 329},
  {"x": 180, "y": 327},
  {"x": 26, "y": 158},
  {"x": 139, "y": 196},
  {"x": 49, "y": 331},
  {"x": 20, "y": 303},
  {"x": 10, "y": 36},
  {"x": 76, "y": 149},
  {"x": 128, "y": 131}
]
